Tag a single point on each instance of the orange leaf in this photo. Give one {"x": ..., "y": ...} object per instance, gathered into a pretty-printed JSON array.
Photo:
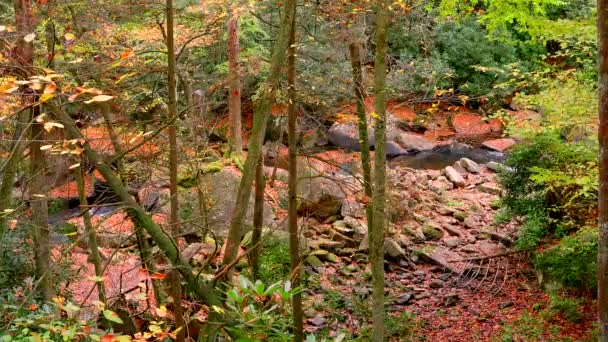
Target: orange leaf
[
  {"x": 127, "y": 54},
  {"x": 33, "y": 307},
  {"x": 107, "y": 338},
  {"x": 157, "y": 275}
]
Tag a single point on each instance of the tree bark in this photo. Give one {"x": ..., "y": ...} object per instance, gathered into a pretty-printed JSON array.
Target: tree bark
[
  {"x": 261, "y": 112},
  {"x": 234, "y": 91},
  {"x": 174, "y": 278},
  {"x": 294, "y": 236},
  {"x": 602, "y": 272},
  {"x": 355, "y": 56},
  {"x": 39, "y": 205},
  {"x": 258, "y": 218},
  {"x": 376, "y": 234},
  {"x": 91, "y": 234}
]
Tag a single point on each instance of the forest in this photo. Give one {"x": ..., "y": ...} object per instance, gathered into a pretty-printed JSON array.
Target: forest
[{"x": 304, "y": 170}]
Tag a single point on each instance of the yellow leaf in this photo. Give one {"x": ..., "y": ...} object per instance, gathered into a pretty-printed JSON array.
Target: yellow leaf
[
  {"x": 46, "y": 147},
  {"x": 69, "y": 36},
  {"x": 2, "y": 28},
  {"x": 45, "y": 97},
  {"x": 72, "y": 167},
  {"x": 99, "y": 98}
]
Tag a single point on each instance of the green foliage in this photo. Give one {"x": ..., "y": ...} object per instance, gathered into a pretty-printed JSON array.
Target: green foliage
[
  {"x": 260, "y": 312},
  {"x": 16, "y": 257},
  {"x": 553, "y": 184},
  {"x": 572, "y": 262},
  {"x": 274, "y": 260}
]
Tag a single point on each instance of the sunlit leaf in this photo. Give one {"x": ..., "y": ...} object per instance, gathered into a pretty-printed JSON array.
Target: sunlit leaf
[
  {"x": 69, "y": 36},
  {"x": 112, "y": 316},
  {"x": 157, "y": 275},
  {"x": 29, "y": 37},
  {"x": 72, "y": 167},
  {"x": 46, "y": 147},
  {"x": 99, "y": 98}
]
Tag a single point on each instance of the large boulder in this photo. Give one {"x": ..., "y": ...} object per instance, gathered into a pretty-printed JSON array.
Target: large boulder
[
  {"x": 346, "y": 135},
  {"x": 320, "y": 197},
  {"x": 409, "y": 140},
  {"x": 219, "y": 192}
]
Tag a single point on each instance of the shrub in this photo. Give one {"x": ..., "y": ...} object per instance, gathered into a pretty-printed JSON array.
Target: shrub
[
  {"x": 274, "y": 260},
  {"x": 572, "y": 262}
]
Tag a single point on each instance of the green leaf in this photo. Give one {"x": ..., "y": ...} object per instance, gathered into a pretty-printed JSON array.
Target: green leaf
[{"x": 112, "y": 316}]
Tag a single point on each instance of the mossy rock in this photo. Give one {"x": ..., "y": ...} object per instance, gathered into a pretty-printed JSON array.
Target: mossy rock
[{"x": 432, "y": 232}]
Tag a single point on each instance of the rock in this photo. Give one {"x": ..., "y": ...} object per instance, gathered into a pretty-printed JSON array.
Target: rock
[
  {"x": 419, "y": 273},
  {"x": 320, "y": 197},
  {"x": 454, "y": 176},
  {"x": 471, "y": 222},
  {"x": 436, "y": 284},
  {"x": 313, "y": 261},
  {"x": 470, "y": 165},
  {"x": 441, "y": 184},
  {"x": 404, "y": 298},
  {"x": 505, "y": 305},
  {"x": 494, "y": 166},
  {"x": 346, "y": 135},
  {"x": 393, "y": 250},
  {"x": 352, "y": 208},
  {"x": 489, "y": 188},
  {"x": 431, "y": 231},
  {"x": 221, "y": 189},
  {"x": 499, "y": 145},
  {"x": 358, "y": 227},
  {"x": 409, "y": 140},
  {"x": 394, "y": 150},
  {"x": 318, "y": 321},
  {"x": 460, "y": 168},
  {"x": 451, "y": 299},
  {"x": 460, "y": 215},
  {"x": 364, "y": 245},
  {"x": 452, "y": 241}
]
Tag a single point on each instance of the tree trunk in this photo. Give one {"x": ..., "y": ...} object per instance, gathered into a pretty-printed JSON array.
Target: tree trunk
[
  {"x": 174, "y": 278},
  {"x": 91, "y": 234},
  {"x": 376, "y": 233},
  {"x": 39, "y": 205},
  {"x": 261, "y": 112},
  {"x": 234, "y": 91},
  {"x": 355, "y": 57},
  {"x": 602, "y": 272},
  {"x": 258, "y": 217},
  {"x": 294, "y": 236}
]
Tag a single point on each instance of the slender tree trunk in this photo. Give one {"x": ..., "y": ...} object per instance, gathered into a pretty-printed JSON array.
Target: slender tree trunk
[
  {"x": 258, "y": 217},
  {"x": 261, "y": 112},
  {"x": 91, "y": 234},
  {"x": 294, "y": 236},
  {"x": 355, "y": 56},
  {"x": 234, "y": 75},
  {"x": 174, "y": 280},
  {"x": 39, "y": 205},
  {"x": 602, "y": 273},
  {"x": 376, "y": 234}
]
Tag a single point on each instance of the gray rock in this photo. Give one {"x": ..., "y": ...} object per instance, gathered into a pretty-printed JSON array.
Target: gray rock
[
  {"x": 221, "y": 189},
  {"x": 436, "y": 284},
  {"x": 393, "y": 250},
  {"x": 454, "y": 176},
  {"x": 320, "y": 197},
  {"x": 452, "y": 241},
  {"x": 451, "y": 299},
  {"x": 409, "y": 140},
  {"x": 404, "y": 298},
  {"x": 431, "y": 231},
  {"x": 364, "y": 245},
  {"x": 460, "y": 168},
  {"x": 358, "y": 227},
  {"x": 352, "y": 208},
  {"x": 313, "y": 261},
  {"x": 489, "y": 188},
  {"x": 346, "y": 135},
  {"x": 470, "y": 165},
  {"x": 471, "y": 223}
]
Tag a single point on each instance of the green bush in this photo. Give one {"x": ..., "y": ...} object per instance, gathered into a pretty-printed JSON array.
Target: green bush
[
  {"x": 274, "y": 260},
  {"x": 553, "y": 184},
  {"x": 571, "y": 263}
]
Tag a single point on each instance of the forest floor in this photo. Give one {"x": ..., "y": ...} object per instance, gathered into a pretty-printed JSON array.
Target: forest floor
[{"x": 450, "y": 272}]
